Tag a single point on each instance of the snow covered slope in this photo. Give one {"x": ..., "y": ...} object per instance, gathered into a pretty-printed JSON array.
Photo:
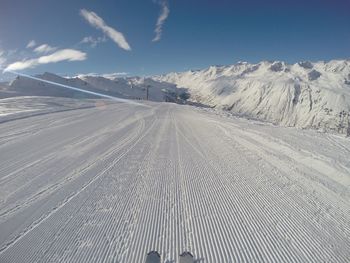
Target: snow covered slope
[
  {"x": 5, "y": 91},
  {"x": 22, "y": 107},
  {"x": 130, "y": 88},
  {"x": 24, "y": 86},
  {"x": 110, "y": 184},
  {"x": 134, "y": 87},
  {"x": 306, "y": 95}
]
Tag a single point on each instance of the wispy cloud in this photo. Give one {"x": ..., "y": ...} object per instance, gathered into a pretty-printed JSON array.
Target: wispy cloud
[
  {"x": 44, "y": 49},
  {"x": 115, "y": 75},
  {"x": 60, "y": 55},
  {"x": 93, "y": 41},
  {"x": 161, "y": 20},
  {"x": 94, "y": 20},
  {"x": 110, "y": 76},
  {"x": 6, "y": 56},
  {"x": 31, "y": 44},
  {"x": 2, "y": 58}
]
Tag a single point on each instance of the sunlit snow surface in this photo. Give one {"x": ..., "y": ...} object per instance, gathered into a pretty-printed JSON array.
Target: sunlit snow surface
[
  {"x": 305, "y": 94},
  {"x": 97, "y": 181}
]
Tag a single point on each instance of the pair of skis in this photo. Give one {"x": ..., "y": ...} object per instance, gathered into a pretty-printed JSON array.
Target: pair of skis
[{"x": 154, "y": 257}]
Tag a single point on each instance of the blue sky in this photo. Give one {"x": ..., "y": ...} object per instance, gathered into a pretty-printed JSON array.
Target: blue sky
[{"x": 192, "y": 34}]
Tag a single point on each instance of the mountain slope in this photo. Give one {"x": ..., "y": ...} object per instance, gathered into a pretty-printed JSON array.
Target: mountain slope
[
  {"x": 305, "y": 95},
  {"x": 128, "y": 88}
]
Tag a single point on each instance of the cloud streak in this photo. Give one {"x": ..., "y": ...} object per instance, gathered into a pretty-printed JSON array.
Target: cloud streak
[
  {"x": 110, "y": 76},
  {"x": 161, "y": 20},
  {"x": 58, "y": 56},
  {"x": 31, "y": 44},
  {"x": 94, "y": 20},
  {"x": 93, "y": 42},
  {"x": 44, "y": 49},
  {"x": 2, "y": 59}
]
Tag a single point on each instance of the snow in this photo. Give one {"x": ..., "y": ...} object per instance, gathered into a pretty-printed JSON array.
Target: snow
[
  {"x": 126, "y": 88},
  {"x": 305, "y": 95},
  {"x": 111, "y": 183},
  {"x": 26, "y": 106}
]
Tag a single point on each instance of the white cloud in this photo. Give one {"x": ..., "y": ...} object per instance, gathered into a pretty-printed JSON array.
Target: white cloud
[
  {"x": 19, "y": 65},
  {"x": 94, "y": 20},
  {"x": 44, "y": 49},
  {"x": 93, "y": 41},
  {"x": 31, "y": 44},
  {"x": 161, "y": 20},
  {"x": 114, "y": 75},
  {"x": 110, "y": 76},
  {"x": 60, "y": 55}
]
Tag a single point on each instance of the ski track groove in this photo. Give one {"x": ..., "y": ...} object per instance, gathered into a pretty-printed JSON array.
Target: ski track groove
[
  {"x": 295, "y": 173},
  {"x": 50, "y": 151},
  {"x": 67, "y": 200},
  {"x": 169, "y": 179},
  {"x": 211, "y": 195},
  {"x": 86, "y": 237},
  {"x": 113, "y": 152},
  {"x": 76, "y": 172}
]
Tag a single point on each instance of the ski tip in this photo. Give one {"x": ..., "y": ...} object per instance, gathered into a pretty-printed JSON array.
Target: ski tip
[
  {"x": 186, "y": 254},
  {"x": 186, "y": 257},
  {"x": 153, "y": 252},
  {"x": 153, "y": 257}
]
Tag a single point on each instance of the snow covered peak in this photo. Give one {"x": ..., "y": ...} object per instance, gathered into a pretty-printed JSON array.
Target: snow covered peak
[{"x": 304, "y": 94}]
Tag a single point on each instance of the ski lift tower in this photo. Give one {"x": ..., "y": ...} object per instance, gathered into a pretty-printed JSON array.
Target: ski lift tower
[{"x": 147, "y": 91}]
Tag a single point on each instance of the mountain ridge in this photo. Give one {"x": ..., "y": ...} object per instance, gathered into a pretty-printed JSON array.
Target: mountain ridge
[
  {"x": 126, "y": 88},
  {"x": 305, "y": 94}
]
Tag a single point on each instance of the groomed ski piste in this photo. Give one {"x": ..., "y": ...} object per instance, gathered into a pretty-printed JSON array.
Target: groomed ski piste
[{"x": 114, "y": 181}]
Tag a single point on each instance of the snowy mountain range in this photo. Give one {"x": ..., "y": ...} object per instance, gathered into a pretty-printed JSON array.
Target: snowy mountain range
[
  {"x": 128, "y": 88},
  {"x": 304, "y": 95}
]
